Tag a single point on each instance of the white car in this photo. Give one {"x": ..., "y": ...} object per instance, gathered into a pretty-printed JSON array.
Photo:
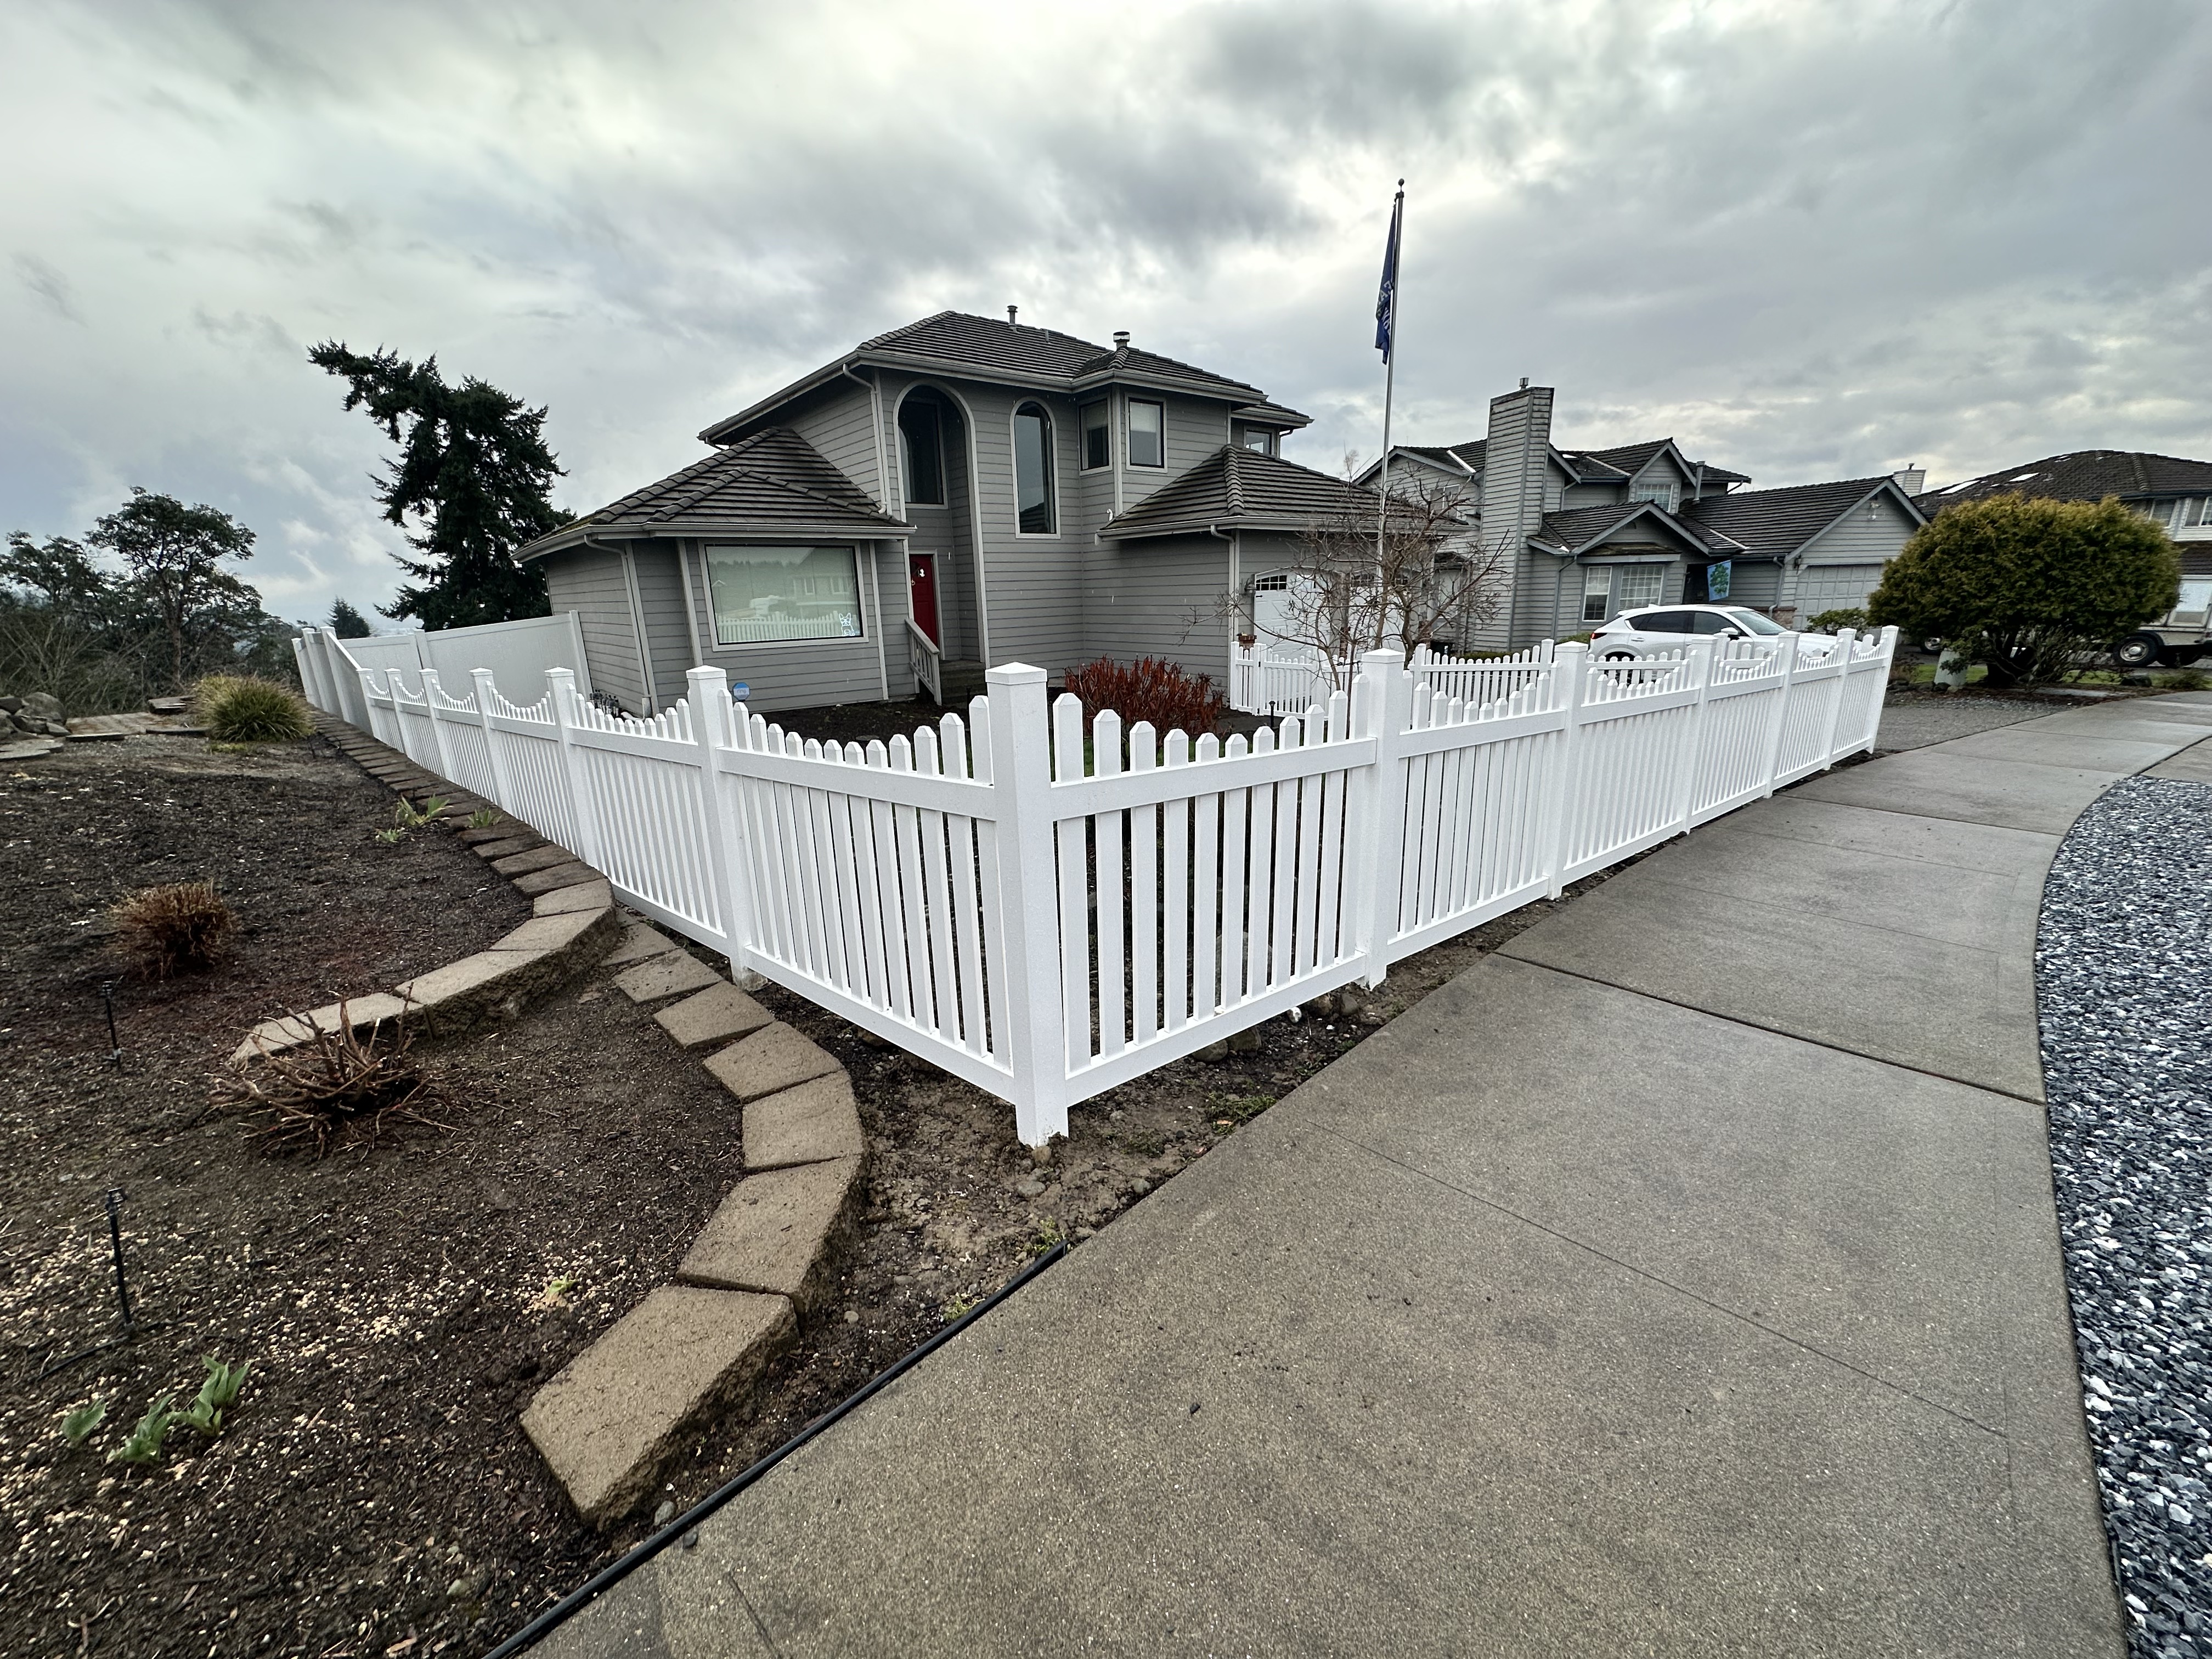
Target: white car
[{"x": 1669, "y": 627}]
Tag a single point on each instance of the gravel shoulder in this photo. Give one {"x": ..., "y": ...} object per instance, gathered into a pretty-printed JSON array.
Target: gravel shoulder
[{"x": 2124, "y": 977}]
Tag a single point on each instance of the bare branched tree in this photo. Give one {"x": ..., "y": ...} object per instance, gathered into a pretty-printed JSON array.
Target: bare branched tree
[{"x": 1430, "y": 579}]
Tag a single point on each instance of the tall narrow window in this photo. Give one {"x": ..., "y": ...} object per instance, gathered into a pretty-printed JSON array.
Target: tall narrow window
[
  {"x": 1097, "y": 437},
  {"x": 1033, "y": 503},
  {"x": 1147, "y": 424},
  {"x": 922, "y": 451},
  {"x": 1597, "y": 592}
]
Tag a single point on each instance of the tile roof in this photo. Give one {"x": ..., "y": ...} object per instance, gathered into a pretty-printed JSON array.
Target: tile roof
[
  {"x": 1243, "y": 489},
  {"x": 1264, "y": 413},
  {"x": 988, "y": 346},
  {"x": 1577, "y": 528},
  {"x": 1775, "y": 522},
  {"x": 2085, "y": 475},
  {"x": 771, "y": 478}
]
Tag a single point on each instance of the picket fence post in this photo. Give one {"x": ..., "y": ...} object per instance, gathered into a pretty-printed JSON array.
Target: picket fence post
[
  {"x": 712, "y": 720},
  {"x": 1703, "y": 653},
  {"x": 561, "y": 687},
  {"x": 1792, "y": 653},
  {"x": 502, "y": 791},
  {"x": 1570, "y": 666},
  {"x": 1843, "y": 661},
  {"x": 1021, "y": 781},
  {"x": 431, "y": 690},
  {"x": 1382, "y": 702}
]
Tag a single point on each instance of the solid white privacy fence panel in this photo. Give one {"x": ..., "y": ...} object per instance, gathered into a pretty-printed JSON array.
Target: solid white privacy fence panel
[{"x": 1049, "y": 907}]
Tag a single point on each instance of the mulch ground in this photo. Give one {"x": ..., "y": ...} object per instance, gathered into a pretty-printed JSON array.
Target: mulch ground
[{"x": 372, "y": 1492}]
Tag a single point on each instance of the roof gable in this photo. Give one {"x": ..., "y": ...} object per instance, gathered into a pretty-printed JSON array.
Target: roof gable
[
  {"x": 1775, "y": 523},
  {"x": 987, "y": 347},
  {"x": 771, "y": 479},
  {"x": 1575, "y": 531},
  {"x": 1242, "y": 489}
]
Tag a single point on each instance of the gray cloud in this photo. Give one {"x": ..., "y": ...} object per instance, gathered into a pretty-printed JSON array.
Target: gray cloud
[{"x": 1807, "y": 239}]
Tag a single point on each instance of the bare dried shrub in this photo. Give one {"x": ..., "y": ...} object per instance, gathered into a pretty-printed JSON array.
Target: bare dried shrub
[
  {"x": 338, "y": 1087},
  {"x": 184, "y": 927},
  {"x": 1148, "y": 689}
]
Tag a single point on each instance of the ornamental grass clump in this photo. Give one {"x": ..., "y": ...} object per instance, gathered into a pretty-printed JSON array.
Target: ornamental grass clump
[
  {"x": 184, "y": 927},
  {"x": 1148, "y": 689},
  {"x": 238, "y": 709}
]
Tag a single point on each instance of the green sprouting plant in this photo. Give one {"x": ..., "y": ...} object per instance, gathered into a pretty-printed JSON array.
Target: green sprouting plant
[
  {"x": 1228, "y": 1111},
  {"x": 216, "y": 1395},
  {"x": 393, "y": 837},
  {"x": 959, "y": 1306},
  {"x": 144, "y": 1445},
  {"x": 483, "y": 818},
  {"x": 77, "y": 1425},
  {"x": 1048, "y": 1233}
]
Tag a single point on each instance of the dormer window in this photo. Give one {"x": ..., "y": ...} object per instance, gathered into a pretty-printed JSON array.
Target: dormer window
[
  {"x": 1034, "y": 512},
  {"x": 1259, "y": 440},
  {"x": 1667, "y": 495},
  {"x": 921, "y": 452},
  {"x": 1147, "y": 434},
  {"x": 1097, "y": 437}
]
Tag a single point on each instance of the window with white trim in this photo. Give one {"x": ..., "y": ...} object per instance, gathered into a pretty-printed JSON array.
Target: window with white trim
[
  {"x": 922, "y": 451},
  {"x": 1147, "y": 434},
  {"x": 768, "y": 595},
  {"x": 1668, "y": 495},
  {"x": 1597, "y": 593},
  {"x": 1097, "y": 437},
  {"x": 1638, "y": 585}
]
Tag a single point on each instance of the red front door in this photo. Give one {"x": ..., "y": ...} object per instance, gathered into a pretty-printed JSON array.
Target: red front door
[{"x": 921, "y": 593}]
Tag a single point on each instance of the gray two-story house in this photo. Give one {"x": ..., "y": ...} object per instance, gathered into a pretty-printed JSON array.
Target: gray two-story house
[
  {"x": 957, "y": 492},
  {"x": 1579, "y": 536}
]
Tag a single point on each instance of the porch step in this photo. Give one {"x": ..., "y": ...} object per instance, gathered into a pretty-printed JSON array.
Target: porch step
[{"x": 964, "y": 678}]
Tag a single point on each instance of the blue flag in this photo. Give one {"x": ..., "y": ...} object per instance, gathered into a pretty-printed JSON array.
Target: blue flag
[{"x": 1386, "y": 301}]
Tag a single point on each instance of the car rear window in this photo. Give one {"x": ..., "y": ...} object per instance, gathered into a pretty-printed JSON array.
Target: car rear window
[{"x": 1757, "y": 624}]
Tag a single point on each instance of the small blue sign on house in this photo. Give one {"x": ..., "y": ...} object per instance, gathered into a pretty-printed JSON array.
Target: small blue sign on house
[{"x": 739, "y": 690}]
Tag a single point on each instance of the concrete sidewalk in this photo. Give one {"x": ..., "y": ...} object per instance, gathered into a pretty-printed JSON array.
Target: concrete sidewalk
[{"x": 1683, "y": 1279}]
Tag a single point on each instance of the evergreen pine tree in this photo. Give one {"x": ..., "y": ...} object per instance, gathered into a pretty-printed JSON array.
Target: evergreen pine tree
[
  {"x": 347, "y": 623},
  {"x": 473, "y": 475}
]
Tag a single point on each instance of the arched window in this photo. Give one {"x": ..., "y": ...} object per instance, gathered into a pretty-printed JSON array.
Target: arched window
[
  {"x": 1033, "y": 502},
  {"x": 921, "y": 449}
]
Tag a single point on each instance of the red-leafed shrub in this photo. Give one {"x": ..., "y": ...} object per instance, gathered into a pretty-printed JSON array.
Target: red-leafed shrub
[{"x": 1148, "y": 689}]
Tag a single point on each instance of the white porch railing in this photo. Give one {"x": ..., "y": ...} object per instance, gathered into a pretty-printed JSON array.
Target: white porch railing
[
  {"x": 1048, "y": 924},
  {"x": 928, "y": 661}
]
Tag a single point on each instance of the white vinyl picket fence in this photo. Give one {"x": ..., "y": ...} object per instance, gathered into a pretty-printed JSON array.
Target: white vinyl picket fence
[{"x": 1048, "y": 911}]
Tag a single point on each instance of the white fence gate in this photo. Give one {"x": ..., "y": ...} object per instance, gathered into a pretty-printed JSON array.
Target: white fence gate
[{"x": 1048, "y": 918}]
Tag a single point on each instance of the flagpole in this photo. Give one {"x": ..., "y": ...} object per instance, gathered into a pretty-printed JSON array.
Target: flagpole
[{"x": 1389, "y": 378}]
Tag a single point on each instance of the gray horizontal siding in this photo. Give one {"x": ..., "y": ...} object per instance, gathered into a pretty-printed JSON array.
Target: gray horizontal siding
[
  {"x": 1861, "y": 537},
  {"x": 589, "y": 581},
  {"x": 1159, "y": 597},
  {"x": 840, "y": 425},
  {"x": 667, "y": 629}
]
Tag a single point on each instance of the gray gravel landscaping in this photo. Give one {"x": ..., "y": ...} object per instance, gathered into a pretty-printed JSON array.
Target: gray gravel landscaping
[{"x": 2123, "y": 978}]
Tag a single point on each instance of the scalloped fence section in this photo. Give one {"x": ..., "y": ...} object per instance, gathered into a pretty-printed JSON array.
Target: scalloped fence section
[{"x": 1048, "y": 907}]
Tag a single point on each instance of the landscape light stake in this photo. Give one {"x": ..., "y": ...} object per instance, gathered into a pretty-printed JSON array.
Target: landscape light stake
[
  {"x": 115, "y": 1242},
  {"x": 129, "y": 1332},
  {"x": 114, "y": 1043}
]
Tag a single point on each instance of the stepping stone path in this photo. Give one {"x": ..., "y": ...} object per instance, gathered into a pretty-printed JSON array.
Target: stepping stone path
[{"x": 610, "y": 1420}]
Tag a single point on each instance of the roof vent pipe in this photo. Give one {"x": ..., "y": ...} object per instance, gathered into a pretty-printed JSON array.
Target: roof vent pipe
[
  {"x": 1121, "y": 339},
  {"x": 1010, "y": 310},
  {"x": 1524, "y": 383}
]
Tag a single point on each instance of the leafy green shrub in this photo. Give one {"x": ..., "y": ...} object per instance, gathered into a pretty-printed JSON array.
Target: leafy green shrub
[
  {"x": 2028, "y": 587},
  {"x": 1836, "y": 621},
  {"x": 237, "y": 709},
  {"x": 1148, "y": 689},
  {"x": 185, "y": 927}
]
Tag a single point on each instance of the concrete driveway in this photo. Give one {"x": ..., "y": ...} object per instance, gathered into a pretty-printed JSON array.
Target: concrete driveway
[{"x": 1683, "y": 1279}]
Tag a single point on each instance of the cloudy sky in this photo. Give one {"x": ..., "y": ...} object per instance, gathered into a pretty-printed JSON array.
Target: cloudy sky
[{"x": 1808, "y": 240}]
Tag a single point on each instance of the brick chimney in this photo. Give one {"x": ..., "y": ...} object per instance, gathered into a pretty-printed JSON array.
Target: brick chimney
[{"x": 1513, "y": 466}]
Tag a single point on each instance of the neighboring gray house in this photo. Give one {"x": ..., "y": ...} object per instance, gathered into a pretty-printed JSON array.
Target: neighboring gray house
[
  {"x": 2172, "y": 493},
  {"x": 963, "y": 489},
  {"x": 1583, "y": 535}
]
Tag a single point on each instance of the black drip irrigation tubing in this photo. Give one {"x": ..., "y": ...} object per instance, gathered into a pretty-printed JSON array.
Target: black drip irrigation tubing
[{"x": 577, "y": 1599}]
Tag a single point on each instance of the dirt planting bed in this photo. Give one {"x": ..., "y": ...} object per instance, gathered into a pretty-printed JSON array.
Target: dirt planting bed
[{"x": 400, "y": 1304}]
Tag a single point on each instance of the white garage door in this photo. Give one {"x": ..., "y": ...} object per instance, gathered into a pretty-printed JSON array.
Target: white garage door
[{"x": 1835, "y": 588}]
